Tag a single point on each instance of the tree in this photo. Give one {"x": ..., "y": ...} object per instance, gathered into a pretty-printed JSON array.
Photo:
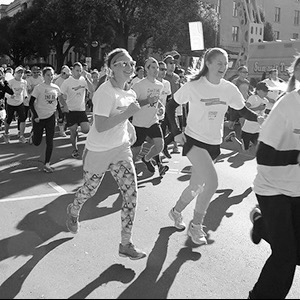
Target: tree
[{"x": 268, "y": 32}]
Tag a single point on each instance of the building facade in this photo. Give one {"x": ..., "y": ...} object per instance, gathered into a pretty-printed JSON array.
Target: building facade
[{"x": 283, "y": 15}]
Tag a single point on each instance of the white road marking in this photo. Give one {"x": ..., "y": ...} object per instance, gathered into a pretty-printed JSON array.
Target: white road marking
[{"x": 59, "y": 189}]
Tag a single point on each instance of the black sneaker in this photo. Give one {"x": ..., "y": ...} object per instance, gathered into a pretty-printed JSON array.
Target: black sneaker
[
  {"x": 255, "y": 217},
  {"x": 163, "y": 170},
  {"x": 149, "y": 165},
  {"x": 166, "y": 153}
]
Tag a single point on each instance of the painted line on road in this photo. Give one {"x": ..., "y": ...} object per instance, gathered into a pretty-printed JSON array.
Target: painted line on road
[{"x": 59, "y": 189}]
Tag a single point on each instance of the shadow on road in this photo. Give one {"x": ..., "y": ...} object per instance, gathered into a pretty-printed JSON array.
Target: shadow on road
[
  {"x": 116, "y": 272},
  {"x": 45, "y": 223},
  {"x": 218, "y": 207},
  {"x": 11, "y": 287},
  {"x": 148, "y": 285}
]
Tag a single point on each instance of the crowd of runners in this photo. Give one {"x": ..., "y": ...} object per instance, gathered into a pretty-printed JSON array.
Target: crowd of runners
[{"x": 157, "y": 104}]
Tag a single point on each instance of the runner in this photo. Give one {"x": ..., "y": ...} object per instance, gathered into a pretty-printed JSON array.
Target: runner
[
  {"x": 209, "y": 96},
  {"x": 43, "y": 104},
  {"x": 108, "y": 148}
]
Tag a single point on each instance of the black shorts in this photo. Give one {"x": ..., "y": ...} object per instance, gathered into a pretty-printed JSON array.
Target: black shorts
[
  {"x": 152, "y": 132},
  {"x": 233, "y": 115},
  {"x": 76, "y": 117},
  {"x": 213, "y": 150}
]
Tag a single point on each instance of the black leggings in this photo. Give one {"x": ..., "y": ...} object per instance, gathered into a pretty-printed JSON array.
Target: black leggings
[{"x": 38, "y": 130}]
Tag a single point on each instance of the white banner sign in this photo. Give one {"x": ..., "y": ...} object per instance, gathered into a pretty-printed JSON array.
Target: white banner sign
[{"x": 196, "y": 36}]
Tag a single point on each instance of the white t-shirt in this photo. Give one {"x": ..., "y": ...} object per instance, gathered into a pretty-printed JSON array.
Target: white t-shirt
[
  {"x": 147, "y": 116},
  {"x": 31, "y": 84},
  {"x": 20, "y": 92},
  {"x": 46, "y": 99},
  {"x": 254, "y": 101},
  {"x": 75, "y": 90},
  {"x": 273, "y": 94},
  {"x": 166, "y": 91},
  {"x": 108, "y": 102},
  {"x": 281, "y": 130},
  {"x": 208, "y": 104}
]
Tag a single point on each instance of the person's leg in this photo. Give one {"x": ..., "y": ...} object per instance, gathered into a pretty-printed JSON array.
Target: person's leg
[
  {"x": 94, "y": 167},
  {"x": 141, "y": 134},
  {"x": 74, "y": 136},
  {"x": 10, "y": 111},
  {"x": 155, "y": 149},
  {"x": 85, "y": 127},
  {"x": 38, "y": 130},
  {"x": 125, "y": 176},
  {"x": 50, "y": 131},
  {"x": 277, "y": 275},
  {"x": 22, "y": 118}
]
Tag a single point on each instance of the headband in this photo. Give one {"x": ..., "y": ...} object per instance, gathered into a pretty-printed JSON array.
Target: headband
[{"x": 114, "y": 59}]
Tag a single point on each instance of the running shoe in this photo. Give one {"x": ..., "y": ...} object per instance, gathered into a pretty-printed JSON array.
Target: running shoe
[
  {"x": 72, "y": 219},
  {"x": 6, "y": 138},
  {"x": 22, "y": 139},
  {"x": 48, "y": 169},
  {"x": 177, "y": 218},
  {"x": 255, "y": 215},
  {"x": 197, "y": 234},
  {"x": 163, "y": 170},
  {"x": 149, "y": 165},
  {"x": 166, "y": 153},
  {"x": 131, "y": 252},
  {"x": 229, "y": 137},
  {"x": 75, "y": 154}
]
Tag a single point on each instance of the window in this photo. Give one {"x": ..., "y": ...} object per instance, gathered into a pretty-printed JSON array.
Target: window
[
  {"x": 295, "y": 36},
  {"x": 235, "y": 33},
  {"x": 296, "y": 17},
  {"x": 235, "y": 9},
  {"x": 277, "y": 14},
  {"x": 276, "y": 35}
]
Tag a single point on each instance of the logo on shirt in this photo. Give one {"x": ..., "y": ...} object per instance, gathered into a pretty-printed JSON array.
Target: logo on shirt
[
  {"x": 213, "y": 101},
  {"x": 76, "y": 88},
  {"x": 296, "y": 131}
]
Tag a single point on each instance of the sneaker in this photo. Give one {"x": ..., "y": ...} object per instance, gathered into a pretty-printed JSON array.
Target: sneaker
[
  {"x": 131, "y": 252},
  {"x": 176, "y": 149},
  {"x": 72, "y": 220},
  {"x": 163, "y": 170},
  {"x": 149, "y": 165},
  {"x": 166, "y": 153},
  {"x": 62, "y": 134},
  {"x": 229, "y": 137},
  {"x": 6, "y": 138},
  {"x": 75, "y": 154},
  {"x": 48, "y": 169},
  {"x": 255, "y": 215},
  {"x": 197, "y": 234},
  {"x": 177, "y": 218},
  {"x": 22, "y": 139}
]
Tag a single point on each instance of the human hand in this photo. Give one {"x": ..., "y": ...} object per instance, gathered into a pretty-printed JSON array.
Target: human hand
[
  {"x": 133, "y": 108},
  {"x": 37, "y": 120},
  {"x": 260, "y": 119},
  {"x": 152, "y": 100}
]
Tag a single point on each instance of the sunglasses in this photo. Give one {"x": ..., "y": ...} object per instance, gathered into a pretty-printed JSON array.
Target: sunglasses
[
  {"x": 124, "y": 64},
  {"x": 162, "y": 69}
]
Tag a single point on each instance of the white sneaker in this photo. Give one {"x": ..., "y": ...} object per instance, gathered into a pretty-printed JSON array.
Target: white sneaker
[
  {"x": 22, "y": 139},
  {"x": 177, "y": 218},
  {"x": 6, "y": 138},
  {"x": 197, "y": 234}
]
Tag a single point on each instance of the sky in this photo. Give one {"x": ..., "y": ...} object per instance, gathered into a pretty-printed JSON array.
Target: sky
[{"x": 6, "y": 1}]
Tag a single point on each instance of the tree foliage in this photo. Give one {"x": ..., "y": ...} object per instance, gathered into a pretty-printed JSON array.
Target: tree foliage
[{"x": 62, "y": 24}]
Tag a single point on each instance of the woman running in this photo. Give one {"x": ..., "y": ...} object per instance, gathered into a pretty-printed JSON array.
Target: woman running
[
  {"x": 43, "y": 104},
  {"x": 209, "y": 96}
]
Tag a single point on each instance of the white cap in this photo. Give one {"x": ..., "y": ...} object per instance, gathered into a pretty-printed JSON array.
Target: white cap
[
  {"x": 19, "y": 68},
  {"x": 66, "y": 70}
]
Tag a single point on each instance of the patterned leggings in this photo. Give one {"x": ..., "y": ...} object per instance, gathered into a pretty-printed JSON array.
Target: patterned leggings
[{"x": 125, "y": 176}]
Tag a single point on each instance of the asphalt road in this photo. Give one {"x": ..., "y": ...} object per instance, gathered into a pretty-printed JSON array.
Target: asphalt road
[{"x": 40, "y": 259}]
